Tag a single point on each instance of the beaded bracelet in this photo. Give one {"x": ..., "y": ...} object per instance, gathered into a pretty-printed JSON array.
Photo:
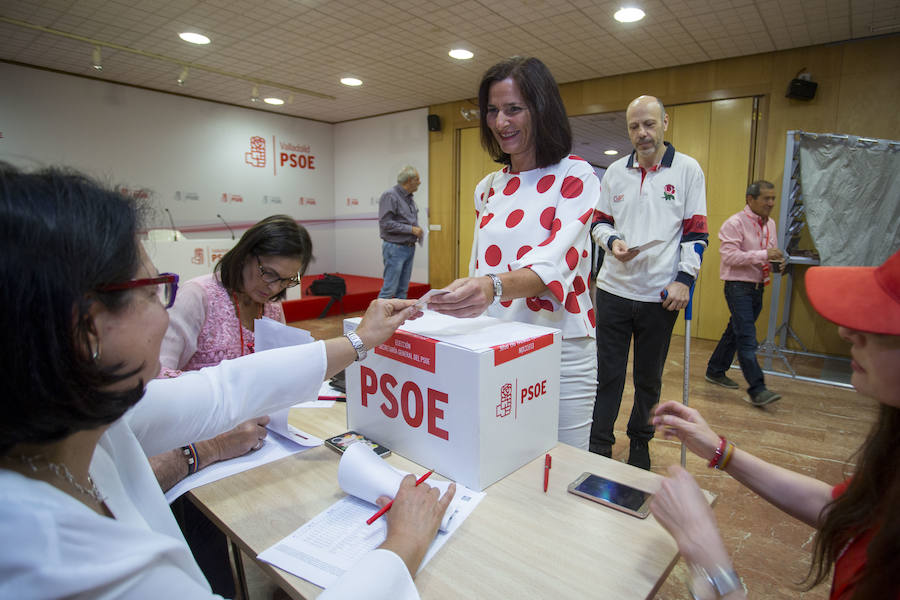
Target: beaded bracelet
[
  {"x": 190, "y": 454},
  {"x": 718, "y": 455}
]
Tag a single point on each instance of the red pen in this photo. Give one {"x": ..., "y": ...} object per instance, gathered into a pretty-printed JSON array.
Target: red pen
[
  {"x": 387, "y": 506},
  {"x": 547, "y": 461}
]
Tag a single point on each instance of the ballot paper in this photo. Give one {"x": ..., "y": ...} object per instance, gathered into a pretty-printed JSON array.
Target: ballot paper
[
  {"x": 332, "y": 542},
  {"x": 646, "y": 246}
]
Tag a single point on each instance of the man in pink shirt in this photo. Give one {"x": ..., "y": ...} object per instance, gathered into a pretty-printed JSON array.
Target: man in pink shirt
[{"x": 749, "y": 253}]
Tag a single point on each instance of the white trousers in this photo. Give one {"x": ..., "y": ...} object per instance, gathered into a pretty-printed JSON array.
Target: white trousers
[{"x": 577, "y": 390}]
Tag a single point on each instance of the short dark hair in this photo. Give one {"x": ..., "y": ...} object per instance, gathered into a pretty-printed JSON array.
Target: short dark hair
[
  {"x": 549, "y": 121},
  {"x": 62, "y": 235},
  {"x": 755, "y": 188},
  {"x": 278, "y": 235}
]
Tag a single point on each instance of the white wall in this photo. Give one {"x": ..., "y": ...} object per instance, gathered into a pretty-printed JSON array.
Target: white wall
[
  {"x": 192, "y": 157},
  {"x": 368, "y": 155}
]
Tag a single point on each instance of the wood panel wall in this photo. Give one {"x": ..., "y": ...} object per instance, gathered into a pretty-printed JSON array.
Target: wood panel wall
[{"x": 859, "y": 82}]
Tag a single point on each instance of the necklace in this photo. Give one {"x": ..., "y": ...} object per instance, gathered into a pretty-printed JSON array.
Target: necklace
[
  {"x": 237, "y": 309},
  {"x": 61, "y": 471}
]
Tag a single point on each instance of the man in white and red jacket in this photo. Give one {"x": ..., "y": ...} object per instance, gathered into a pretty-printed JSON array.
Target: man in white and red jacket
[{"x": 653, "y": 195}]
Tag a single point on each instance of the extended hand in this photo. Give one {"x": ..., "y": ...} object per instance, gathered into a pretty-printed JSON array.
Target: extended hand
[
  {"x": 247, "y": 436},
  {"x": 414, "y": 519},
  {"x": 675, "y": 420},
  {"x": 417, "y": 231},
  {"x": 468, "y": 297},
  {"x": 382, "y": 319}
]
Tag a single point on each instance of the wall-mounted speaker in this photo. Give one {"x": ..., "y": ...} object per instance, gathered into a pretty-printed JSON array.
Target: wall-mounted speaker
[
  {"x": 434, "y": 123},
  {"x": 801, "y": 89}
]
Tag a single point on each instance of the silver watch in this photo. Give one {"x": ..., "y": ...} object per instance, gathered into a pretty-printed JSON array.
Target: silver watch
[
  {"x": 498, "y": 286},
  {"x": 357, "y": 345}
]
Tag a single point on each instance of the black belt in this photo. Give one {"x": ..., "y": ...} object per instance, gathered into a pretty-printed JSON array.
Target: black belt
[{"x": 408, "y": 244}]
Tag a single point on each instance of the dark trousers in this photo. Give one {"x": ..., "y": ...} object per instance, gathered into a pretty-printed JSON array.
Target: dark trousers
[
  {"x": 745, "y": 301},
  {"x": 618, "y": 319},
  {"x": 208, "y": 545}
]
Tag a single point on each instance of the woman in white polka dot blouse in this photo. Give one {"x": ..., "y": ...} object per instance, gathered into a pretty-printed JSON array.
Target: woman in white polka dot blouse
[{"x": 531, "y": 255}]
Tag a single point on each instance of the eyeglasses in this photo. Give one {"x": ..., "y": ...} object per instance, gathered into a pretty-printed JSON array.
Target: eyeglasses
[
  {"x": 167, "y": 287},
  {"x": 270, "y": 277}
]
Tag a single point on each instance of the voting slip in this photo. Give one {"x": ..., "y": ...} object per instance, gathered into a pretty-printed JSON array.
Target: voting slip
[{"x": 332, "y": 542}]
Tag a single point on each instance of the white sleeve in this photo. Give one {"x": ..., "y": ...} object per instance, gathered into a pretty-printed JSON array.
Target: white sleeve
[
  {"x": 199, "y": 405},
  {"x": 604, "y": 225},
  {"x": 379, "y": 575},
  {"x": 186, "y": 319}
]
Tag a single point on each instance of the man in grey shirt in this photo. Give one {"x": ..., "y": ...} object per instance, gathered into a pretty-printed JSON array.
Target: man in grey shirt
[{"x": 398, "y": 219}]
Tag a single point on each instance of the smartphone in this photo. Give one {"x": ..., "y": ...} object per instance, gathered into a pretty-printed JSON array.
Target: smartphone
[
  {"x": 613, "y": 494},
  {"x": 339, "y": 443}
]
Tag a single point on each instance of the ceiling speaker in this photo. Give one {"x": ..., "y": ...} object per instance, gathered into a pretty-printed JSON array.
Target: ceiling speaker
[{"x": 434, "y": 123}]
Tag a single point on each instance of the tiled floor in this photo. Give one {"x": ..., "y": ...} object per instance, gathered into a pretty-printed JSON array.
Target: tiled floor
[{"x": 813, "y": 429}]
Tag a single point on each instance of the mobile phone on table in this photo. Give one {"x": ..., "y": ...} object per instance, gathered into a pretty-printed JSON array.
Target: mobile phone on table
[
  {"x": 341, "y": 442},
  {"x": 613, "y": 494}
]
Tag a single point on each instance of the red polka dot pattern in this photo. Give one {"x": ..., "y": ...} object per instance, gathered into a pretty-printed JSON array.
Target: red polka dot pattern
[
  {"x": 556, "y": 289},
  {"x": 586, "y": 216},
  {"x": 547, "y": 217},
  {"x": 511, "y": 186},
  {"x": 592, "y": 318},
  {"x": 493, "y": 255},
  {"x": 532, "y": 304},
  {"x": 578, "y": 285},
  {"x": 523, "y": 251},
  {"x": 549, "y": 239},
  {"x": 486, "y": 219},
  {"x": 584, "y": 254},
  {"x": 572, "y": 303},
  {"x": 571, "y": 187},
  {"x": 491, "y": 193},
  {"x": 556, "y": 225},
  {"x": 506, "y": 303},
  {"x": 545, "y": 183},
  {"x": 514, "y": 218},
  {"x": 572, "y": 258},
  {"x": 545, "y": 304}
]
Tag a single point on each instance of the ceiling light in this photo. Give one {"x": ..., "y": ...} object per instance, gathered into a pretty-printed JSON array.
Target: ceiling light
[
  {"x": 351, "y": 81},
  {"x": 182, "y": 77},
  {"x": 610, "y": 152},
  {"x": 460, "y": 54},
  {"x": 254, "y": 95},
  {"x": 194, "y": 38},
  {"x": 275, "y": 101},
  {"x": 96, "y": 60},
  {"x": 629, "y": 14}
]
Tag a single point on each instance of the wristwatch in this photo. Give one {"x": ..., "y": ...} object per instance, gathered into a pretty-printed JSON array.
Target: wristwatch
[
  {"x": 357, "y": 345},
  {"x": 714, "y": 583},
  {"x": 498, "y": 286}
]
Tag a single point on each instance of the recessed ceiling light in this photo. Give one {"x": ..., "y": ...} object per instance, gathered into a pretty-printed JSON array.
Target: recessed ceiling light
[
  {"x": 460, "y": 54},
  {"x": 610, "y": 152},
  {"x": 275, "y": 101},
  {"x": 351, "y": 81},
  {"x": 629, "y": 14},
  {"x": 194, "y": 38}
]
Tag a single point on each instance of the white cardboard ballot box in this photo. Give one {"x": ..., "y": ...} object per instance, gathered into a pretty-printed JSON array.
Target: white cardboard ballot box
[{"x": 473, "y": 399}]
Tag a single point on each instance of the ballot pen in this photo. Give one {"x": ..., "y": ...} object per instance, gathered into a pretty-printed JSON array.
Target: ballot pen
[
  {"x": 387, "y": 506},
  {"x": 547, "y": 461}
]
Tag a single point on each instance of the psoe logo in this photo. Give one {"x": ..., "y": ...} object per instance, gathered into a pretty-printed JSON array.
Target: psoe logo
[
  {"x": 257, "y": 155},
  {"x": 504, "y": 409}
]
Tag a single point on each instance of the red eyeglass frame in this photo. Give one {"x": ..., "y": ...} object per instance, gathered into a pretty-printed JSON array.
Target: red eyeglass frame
[{"x": 167, "y": 278}]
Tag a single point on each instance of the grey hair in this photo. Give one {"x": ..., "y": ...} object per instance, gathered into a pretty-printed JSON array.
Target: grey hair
[
  {"x": 758, "y": 186},
  {"x": 406, "y": 173}
]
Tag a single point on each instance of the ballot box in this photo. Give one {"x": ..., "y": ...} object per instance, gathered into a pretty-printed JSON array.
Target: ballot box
[{"x": 473, "y": 399}]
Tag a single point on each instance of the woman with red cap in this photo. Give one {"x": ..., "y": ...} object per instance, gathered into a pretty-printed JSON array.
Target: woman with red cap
[{"x": 857, "y": 521}]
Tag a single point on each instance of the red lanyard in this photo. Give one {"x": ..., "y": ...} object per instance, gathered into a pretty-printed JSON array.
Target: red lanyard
[{"x": 237, "y": 309}]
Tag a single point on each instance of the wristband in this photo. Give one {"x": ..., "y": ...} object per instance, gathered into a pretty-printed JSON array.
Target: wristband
[
  {"x": 729, "y": 452},
  {"x": 714, "y": 462},
  {"x": 190, "y": 454}
]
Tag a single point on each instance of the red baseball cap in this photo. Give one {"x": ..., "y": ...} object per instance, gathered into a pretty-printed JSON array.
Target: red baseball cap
[{"x": 861, "y": 298}]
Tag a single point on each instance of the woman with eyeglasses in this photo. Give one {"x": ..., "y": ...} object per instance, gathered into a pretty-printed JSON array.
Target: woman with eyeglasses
[
  {"x": 81, "y": 513},
  {"x": 211, "y": 321}
]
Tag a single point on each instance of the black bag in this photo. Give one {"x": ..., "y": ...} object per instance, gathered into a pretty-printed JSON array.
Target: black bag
[{"x": 328, "y": 285}]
